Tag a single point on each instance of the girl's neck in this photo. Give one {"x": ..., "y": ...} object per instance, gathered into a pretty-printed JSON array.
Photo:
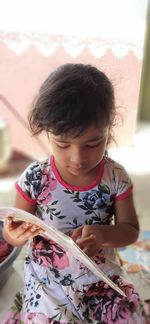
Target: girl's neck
[
  {"x": 78, "y": 181},
  {"x": 91, "y": 178}
]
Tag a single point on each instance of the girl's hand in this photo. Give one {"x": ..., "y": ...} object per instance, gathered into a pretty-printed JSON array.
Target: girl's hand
[
  {"x": 17, "y": 233},
  {"x": 89, "y": 238}
]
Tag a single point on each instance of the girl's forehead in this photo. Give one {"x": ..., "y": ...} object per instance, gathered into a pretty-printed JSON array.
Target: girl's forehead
[{"x": 91, "y": 133}]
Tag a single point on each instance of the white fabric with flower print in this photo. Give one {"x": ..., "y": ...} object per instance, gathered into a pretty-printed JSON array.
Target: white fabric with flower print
[{"x": 58, "y": 288}]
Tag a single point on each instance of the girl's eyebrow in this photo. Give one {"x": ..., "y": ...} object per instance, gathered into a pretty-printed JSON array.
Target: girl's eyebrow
[
  {"x": 60, "y": 140},
  {"x": 94, "y": 139}
]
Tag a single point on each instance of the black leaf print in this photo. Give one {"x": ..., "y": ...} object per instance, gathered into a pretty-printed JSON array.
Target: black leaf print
[
  {"x": 38, "y": 296},
  {"x": 57, "y": 213},
  {"x": 55, "y": 272},
  {"x": 88, "y": 212},
  {"x": 77, "y": 200},
  {"x": 89, "y": 222},
  {"x": 18, "y": 301},
  {"x": 104, "y": 188},
  {"x": 36, "y": 303},
  {"x": 54, "y": 202},
  {"x": 82, "y": 207},
  {"x": 75, "y": 221},
  {"x": 26, "y": 182},
  {"x": 68, "y": 191}
]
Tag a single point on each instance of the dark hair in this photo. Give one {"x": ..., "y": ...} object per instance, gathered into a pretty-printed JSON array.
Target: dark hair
[{"x": 73, "y": 97}]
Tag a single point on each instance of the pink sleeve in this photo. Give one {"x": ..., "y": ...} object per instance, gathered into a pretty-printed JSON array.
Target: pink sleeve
[
  {"x": 24, "y": 194},
  {"x": 125, "y": 194}
]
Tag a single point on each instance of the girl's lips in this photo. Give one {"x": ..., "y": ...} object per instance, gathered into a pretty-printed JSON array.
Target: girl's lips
[{"x": 78, "y": 170}]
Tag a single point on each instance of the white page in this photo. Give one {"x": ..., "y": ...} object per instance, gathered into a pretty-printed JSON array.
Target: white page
[{"x": 62, "y": 239}]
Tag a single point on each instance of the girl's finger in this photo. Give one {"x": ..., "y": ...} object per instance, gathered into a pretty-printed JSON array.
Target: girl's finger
[
  {"x": 20, "y": 230},
  {"x": 77, "y": 232},
  {"x": 8, "y": 221},
  {"x": 28, "y": 234},
  {"x": 25, "y": 227},
  {"x": 9, "y": 218},
  {"x": 10, "y": 224},
  {"x": 34, "y": 228},
  {"x": 85, "y": 240},
  {"x": 90, "y": 252},
  {"x": 37, "y": 232}
]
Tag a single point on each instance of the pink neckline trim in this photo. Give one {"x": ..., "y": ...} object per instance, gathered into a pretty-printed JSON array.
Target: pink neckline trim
[{"x": 76, "y": 188}]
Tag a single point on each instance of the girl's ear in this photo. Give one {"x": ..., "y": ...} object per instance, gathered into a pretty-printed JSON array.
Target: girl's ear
[
  {"x": 106, "y": 153},
  {"x": 110, "y": 139},
  {"x": 48, "y": 136}
]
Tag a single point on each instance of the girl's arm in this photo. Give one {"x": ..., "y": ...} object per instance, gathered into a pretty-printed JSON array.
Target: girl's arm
[
  {"x": 126, "y": 223},
  {"x": 17, "y": 233},
  {"x": 124, "y": 232}
]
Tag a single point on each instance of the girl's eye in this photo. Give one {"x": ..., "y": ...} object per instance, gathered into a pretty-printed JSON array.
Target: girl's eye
[
  {"x": 63, "y": 146},
  {"x": 93, "y": 145}
]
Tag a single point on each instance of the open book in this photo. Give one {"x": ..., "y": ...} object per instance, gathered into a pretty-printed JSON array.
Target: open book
[{"x": 62, "y": 239}]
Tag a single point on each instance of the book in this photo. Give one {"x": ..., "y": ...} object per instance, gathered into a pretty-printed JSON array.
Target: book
[{"x": 62, "y": 239}]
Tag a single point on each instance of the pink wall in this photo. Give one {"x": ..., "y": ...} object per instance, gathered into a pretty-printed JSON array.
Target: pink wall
[{"x": 21, "y": 76}]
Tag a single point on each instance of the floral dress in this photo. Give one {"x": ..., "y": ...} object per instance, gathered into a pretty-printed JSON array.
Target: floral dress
[{"x": 58, "y": 289}]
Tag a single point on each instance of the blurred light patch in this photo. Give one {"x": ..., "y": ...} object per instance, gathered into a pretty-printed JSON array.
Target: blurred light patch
[
  {"x": 6, "y": 184},
  {"x": 135, "y": 158}
]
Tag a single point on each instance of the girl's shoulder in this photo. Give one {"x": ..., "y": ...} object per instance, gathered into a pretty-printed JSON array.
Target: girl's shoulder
[
  {"x": 39, "y": 165},
  {"x": 118, "y": 178},
  {"x": 36, "y": 172},
  {"x": 35, "y": 177},
  {"x": 39, "y": 169},
  {"x": 111, "y": 164},
  {"x": 44, "y": 162}
]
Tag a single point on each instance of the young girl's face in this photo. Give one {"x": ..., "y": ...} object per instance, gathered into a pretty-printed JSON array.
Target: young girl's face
[{"x": 79, "y": 155}]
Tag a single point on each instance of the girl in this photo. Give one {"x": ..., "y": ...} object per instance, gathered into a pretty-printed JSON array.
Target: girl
[{"x": 83, "y": 193}]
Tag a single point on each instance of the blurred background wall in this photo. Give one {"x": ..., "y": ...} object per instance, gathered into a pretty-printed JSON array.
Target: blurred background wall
[{"x": 38, "y": 36}]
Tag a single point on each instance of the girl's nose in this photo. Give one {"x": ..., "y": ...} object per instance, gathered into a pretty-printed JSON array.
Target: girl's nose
[{"x": 77, "y": 157}]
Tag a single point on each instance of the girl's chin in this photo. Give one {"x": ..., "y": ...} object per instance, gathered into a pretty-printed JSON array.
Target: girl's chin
[{"x": 78, "y": 171}]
